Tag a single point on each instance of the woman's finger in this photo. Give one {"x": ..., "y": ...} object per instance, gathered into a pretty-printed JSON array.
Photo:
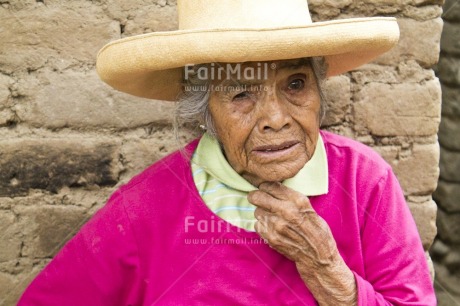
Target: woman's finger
[
  {"x": 284, "y": 193},
  {"x": 264, "y": 200}
]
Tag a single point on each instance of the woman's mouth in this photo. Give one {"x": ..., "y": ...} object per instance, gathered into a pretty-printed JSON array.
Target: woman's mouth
[{"x": 276, "y": 150}]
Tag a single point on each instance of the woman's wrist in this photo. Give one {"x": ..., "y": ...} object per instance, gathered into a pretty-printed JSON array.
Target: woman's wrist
[{"x": 331, "y": 284}]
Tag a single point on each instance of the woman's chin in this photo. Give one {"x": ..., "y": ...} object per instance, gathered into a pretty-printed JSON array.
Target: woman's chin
[{"x": 277, "y": 173}]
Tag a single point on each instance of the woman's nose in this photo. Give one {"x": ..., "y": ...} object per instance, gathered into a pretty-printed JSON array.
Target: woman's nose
[{"x": 273, "y": 114}]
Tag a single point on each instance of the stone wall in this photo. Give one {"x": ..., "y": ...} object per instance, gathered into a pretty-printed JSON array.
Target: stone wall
[
  {"x": 67, "y": 140},
  {"x": 446, "y": 249}
]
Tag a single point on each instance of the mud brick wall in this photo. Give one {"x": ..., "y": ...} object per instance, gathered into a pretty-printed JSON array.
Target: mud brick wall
[
  {"x": 446, "y": 249},
  {"x": 67, "y": 140}
]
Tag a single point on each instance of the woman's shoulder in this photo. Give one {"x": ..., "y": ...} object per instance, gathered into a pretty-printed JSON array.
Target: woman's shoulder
[
  {"x": 164, "y": 171},
  {"x": 162, "y": 182},
  {"x": 346, "y": 151},
  {"x": 347, "y": 143}
]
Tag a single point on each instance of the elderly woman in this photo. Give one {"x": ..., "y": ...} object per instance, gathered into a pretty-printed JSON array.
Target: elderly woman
[{"x": 264, "y": 208}]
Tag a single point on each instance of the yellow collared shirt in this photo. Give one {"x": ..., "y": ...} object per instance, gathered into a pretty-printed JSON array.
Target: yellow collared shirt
[{"x": 225, "y": 192}]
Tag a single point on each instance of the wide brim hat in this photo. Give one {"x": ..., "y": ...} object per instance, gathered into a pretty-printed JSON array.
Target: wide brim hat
[{"x": 235, "y": 31}]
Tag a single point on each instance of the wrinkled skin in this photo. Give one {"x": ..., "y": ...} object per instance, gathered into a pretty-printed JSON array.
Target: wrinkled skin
[
  {"x": 267, "y": 136},
  {"x": 289, "y": 223},
  {"x": 286, "y": 110}
]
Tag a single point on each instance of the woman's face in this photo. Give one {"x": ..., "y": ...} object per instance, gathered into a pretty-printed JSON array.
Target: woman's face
[{"x": 268, "y": 122}]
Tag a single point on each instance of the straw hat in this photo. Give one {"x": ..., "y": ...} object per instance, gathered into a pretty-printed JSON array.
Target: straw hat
[{"x": 233, "y": 31}]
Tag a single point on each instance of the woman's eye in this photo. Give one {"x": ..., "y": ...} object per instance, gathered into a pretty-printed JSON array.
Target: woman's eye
[
  {"x": 241, "y": 96},
  {"x": 296, "y": 84}
]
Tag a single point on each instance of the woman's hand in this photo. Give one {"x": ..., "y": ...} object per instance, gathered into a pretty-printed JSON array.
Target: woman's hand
[{"x": 291, "y": 226}]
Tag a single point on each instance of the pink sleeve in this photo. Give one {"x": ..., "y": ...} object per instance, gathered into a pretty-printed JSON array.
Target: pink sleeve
[
  {"x": 99, "y": 266},
  {"x": 396, "y": 270}
]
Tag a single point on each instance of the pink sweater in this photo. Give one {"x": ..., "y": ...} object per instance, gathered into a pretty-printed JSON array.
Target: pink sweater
[{"x": 156, "y": 243}]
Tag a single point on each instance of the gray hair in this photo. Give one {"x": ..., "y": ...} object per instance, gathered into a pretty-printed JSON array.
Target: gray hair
[{"x": 192, "y": 107}]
